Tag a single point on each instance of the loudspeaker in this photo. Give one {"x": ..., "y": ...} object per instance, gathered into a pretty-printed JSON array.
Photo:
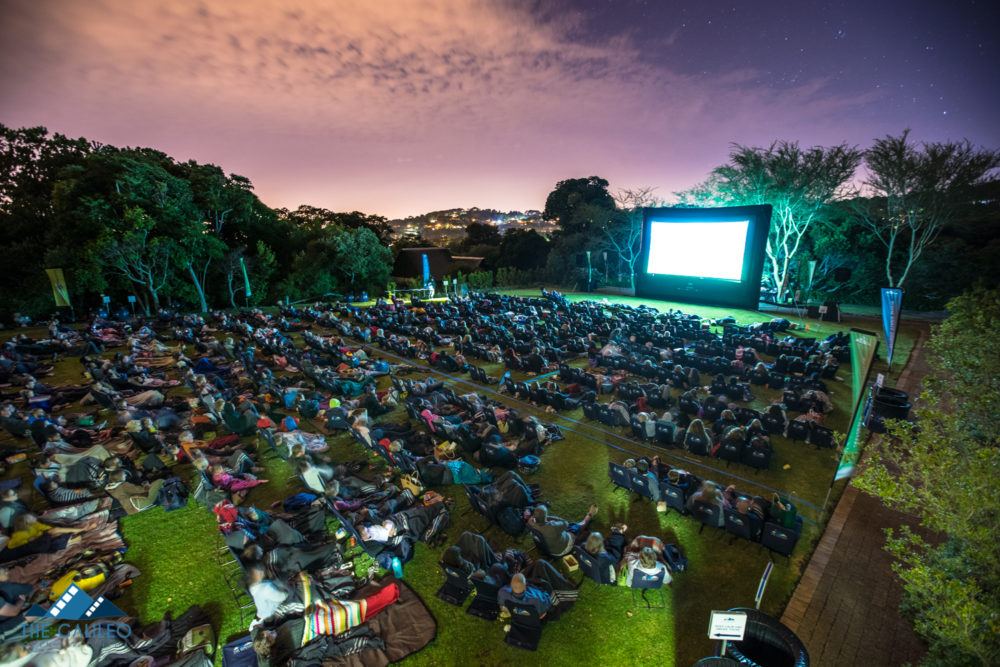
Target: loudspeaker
[
  {"x": 890, "y": 403},
  {"x": 832, "y": 313}
]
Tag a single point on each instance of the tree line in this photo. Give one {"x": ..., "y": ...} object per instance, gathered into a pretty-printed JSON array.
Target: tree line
[{"x": 134, "y": 221}]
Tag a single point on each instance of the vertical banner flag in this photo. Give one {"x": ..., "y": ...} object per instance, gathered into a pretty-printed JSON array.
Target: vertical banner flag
[
  {"x": 246, "y": 280},
  {"x": 426, "y": 268},
  {"x": 892, "y": 303},
  {"x": 812, "y": 273},
  {"x": 863, "y": 346},
  {"x": 59, "y": 289}
]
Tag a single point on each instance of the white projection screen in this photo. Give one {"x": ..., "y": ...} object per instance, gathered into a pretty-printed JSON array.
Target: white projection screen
[
  {"x": 712, "y": 256},
  {"x": 698, "y": 249}
]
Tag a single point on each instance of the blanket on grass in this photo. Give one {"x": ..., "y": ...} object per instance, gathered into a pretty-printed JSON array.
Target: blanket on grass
[{"x": 406, "y": 627}]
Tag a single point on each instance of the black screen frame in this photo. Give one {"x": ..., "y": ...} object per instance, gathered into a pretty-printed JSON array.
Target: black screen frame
[{"x": 744, "y": 293}]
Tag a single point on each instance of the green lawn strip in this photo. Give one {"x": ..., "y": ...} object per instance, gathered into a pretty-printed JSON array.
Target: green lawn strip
[{"x": 176, "y": 554}]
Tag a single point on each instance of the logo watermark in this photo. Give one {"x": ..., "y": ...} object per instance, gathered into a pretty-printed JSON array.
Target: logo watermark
[{"x": 75, "y": 610}]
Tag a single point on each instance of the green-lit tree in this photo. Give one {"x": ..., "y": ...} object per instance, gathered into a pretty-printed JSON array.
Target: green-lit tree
[
  {"x": 799, "y": 183},
  {"x": 945, "y": 470}
]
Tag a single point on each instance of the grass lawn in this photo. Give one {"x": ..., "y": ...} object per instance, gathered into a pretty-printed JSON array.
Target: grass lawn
[{"x": 176, "y": 551}]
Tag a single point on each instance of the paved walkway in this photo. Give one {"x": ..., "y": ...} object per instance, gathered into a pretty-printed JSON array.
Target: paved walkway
[{"x": 846, "y": 606}]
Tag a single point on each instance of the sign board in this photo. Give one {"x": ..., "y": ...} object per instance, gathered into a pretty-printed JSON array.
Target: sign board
[
  {"x": 823, "y": 310},
  {"x": 763, "y": 583},
  {"x": 727, "y": 625},
  {"x": 106, "y": 299},
  {"x": 131, "y": 298}
]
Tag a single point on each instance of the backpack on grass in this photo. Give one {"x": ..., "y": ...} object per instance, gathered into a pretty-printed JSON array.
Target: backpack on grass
[
  {"x": 173, "y": 495},
  {"x": 677, "y": 561}
]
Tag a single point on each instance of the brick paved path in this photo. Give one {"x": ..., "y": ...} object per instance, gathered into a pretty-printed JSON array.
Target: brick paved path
[{"x": 846, "y": 606}]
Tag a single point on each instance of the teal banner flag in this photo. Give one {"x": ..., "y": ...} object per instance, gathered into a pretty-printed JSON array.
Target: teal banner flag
[
  {"x": 892, "y": 305},
  {"x": 246, "y": 279}
]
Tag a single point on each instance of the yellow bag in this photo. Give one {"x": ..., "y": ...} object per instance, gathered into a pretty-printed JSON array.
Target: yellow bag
[
  {"x": 411, "y": 484},
  {"x": 446, "y": 450},
  {"x": 86, "y": 581}
]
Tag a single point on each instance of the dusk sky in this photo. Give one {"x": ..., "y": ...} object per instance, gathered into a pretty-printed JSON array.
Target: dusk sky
[{"x": 399, "y": 107}]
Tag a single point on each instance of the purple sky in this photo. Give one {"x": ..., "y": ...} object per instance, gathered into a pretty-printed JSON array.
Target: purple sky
[{"x": 403, "y": 106}]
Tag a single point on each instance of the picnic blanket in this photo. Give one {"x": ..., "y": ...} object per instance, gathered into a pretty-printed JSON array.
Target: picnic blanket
[{"x": 406, "y": 627}]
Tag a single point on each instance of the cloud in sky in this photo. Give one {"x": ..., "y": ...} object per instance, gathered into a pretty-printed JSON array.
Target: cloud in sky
[{"x": 394, "y": 107}]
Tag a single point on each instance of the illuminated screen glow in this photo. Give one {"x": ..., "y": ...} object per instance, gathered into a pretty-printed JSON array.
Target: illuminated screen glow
[{"x": 698, "y": 249}]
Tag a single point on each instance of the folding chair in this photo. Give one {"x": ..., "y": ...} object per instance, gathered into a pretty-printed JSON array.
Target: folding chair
[
  {"x": 737, "y": 525},
  {"x": 673, "y": 496}
]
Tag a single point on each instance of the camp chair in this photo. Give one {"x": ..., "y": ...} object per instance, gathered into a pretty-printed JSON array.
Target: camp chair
[
  {"x": 778, "y": 539},
  {"x": 456, "y": 587},
  {"x": 707, "y": 514},
  {"x": 484, "y": 604},
  {"x": 525, "y": 627},
  {"x": 737, "y": 525},
  {"x": 643, "y": 582},
  {"x": 673, "y": 496},
  {"x": 620, "y": 476},
  {"x": 590, "y": 566}
]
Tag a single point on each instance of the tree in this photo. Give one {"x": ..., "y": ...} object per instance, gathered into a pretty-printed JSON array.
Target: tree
[
  {"x": 260, "y": 267},
  {"x": 624, "y": 233},
  {"x": 31, "y": 162},
  {"x": 362, "y": 260},
  {"x": 138, "y": 256},
  {"x": 798, "y": 183},
  {"x": 316, "y": 217},
  {"x": 524, "y": 249},
  {"x": 408, "y": 241},
  {"x": 108, "y": 216},
  {"x": 915, "y": 192},
  {"x": 478, "y": 233},
  {"x": 576, "y": 202},
  {"x": 945, "y": 470},
  {"x": 201, "y": 250}
]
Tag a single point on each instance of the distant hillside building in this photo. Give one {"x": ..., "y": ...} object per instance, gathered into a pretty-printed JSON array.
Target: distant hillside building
[{"x": 410, "y": 263}]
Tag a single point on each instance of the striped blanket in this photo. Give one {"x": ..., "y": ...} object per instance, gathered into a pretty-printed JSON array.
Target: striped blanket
[{"x": 329, "y": 617}]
